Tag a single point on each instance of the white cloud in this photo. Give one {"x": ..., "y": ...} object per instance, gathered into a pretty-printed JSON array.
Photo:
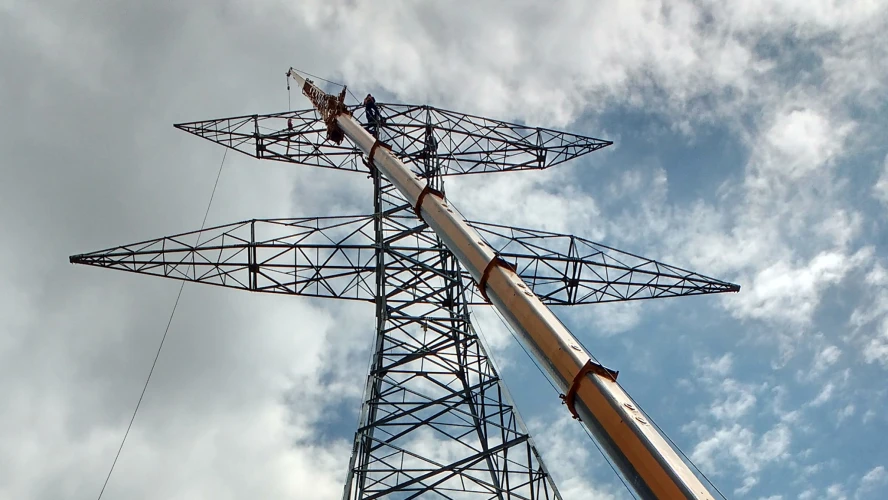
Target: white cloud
[
  {"x": 778, "y": 406},
  {"x": 871, "y": 310},
  {"x": 875, "y": 477},
  {"x": 716, "y": 368},
  {"x": 221, "y": 390},
  {"x": 736, "y": 400},
  {"x": 790, "y": 179},
  {"x": 855, "y": 66},
  {"x": 728, "y": 441},
  {"x": 836, "y": 491},
  {"x": 878, "y": 275},
  {"x": 423, "y": 60},
  {"x": 539, "y": 200},
  {"x": 731, "y": 399},
  {"x": 791, "y": 293},
  {"x": 845, "y": 413},
  {"x": 688, "y": 53},
  {"x": 880, "y": 188},
  {"x": 869, "y": 320},
  {"x": 824, "y": 395},
  {"x": 790, "y": 188},
  {"x": 810, "y": 17},
  {"x": 808, "y": 494},
  {"x": 613, "y": 318},
  {"x": 788, "y": 239},
  {"x": 876, "y": 349},
  {"x": 569, "y": 463},
  {"x": 799, "y": 141},
  {"x": 494, "y": 334},
  {"x": 810, "y": 470},
  {"x": 738, "y": 446},
  {"x": 748, "y": 483},
  {"x": 823, "y": 360}
]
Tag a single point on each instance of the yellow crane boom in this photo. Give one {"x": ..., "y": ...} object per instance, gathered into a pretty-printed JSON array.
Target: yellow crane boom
[{"x": 643, "y": 455}]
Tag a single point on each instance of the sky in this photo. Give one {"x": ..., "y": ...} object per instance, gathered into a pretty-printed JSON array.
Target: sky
[{"x": 749, "y": 146}]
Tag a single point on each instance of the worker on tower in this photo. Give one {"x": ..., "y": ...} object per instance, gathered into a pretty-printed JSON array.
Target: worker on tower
[
  {"x": 372, "y": 114},
  {"x": 430, "y": 153},
  {"x": 431, "y": 143},
  {"x": 289, "y": 132},
  {"x": 370, "y": 106}
]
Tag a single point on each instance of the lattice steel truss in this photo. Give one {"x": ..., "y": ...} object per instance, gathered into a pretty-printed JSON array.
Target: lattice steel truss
[
  {"x": 436, "y": 420},
  {"x": 466, "y": 144},
  {"x": 336, "y": 257}
]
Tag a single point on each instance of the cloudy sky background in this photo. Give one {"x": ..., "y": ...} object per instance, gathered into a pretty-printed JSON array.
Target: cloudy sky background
[{"x": 750, "y": 146}]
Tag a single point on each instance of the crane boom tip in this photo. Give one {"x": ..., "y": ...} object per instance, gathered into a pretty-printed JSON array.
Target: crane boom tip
[{"x": 296, "y": 76}]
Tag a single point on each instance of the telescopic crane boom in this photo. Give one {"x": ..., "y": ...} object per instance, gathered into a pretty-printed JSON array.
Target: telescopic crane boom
[{"x": 652, "y": 466}]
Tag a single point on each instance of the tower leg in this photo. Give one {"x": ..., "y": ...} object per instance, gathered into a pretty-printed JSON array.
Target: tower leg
[{"x": 436, "y": 418}]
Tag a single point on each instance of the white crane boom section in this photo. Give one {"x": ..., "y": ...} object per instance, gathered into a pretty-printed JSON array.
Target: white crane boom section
[{"x": 652, "y": 466}]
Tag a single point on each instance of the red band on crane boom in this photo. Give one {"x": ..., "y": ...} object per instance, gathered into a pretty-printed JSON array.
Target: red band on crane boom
[
  {"x": 376, "y": 144},
  {"x": 482, "y": 283},
  {"x": 427, "y": 190},
  {"x": 589, "y": 367}
]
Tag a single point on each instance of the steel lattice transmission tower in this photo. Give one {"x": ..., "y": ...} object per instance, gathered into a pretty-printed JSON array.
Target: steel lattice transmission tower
[{"x": 436, "y": 420}]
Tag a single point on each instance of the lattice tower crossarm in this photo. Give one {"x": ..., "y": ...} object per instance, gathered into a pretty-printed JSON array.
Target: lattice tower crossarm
[
  {"x": 466, "y": 144},
  {"x": 652, "y": 466},
  {"x": 335, "y": 257}
]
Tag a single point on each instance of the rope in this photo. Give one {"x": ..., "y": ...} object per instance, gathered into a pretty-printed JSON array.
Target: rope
[
  {"x": 213, "y": 194},
  {"x": 554, "y": 388},
  {"x": 611, "y": 464},
  {"x": 306, "y": 73},
  {"x": 680, "y": 452},
  {"x": 521, "y": 345},
  {"x": 671, "y": 442},
  {"x": 160, "y": 347}
]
